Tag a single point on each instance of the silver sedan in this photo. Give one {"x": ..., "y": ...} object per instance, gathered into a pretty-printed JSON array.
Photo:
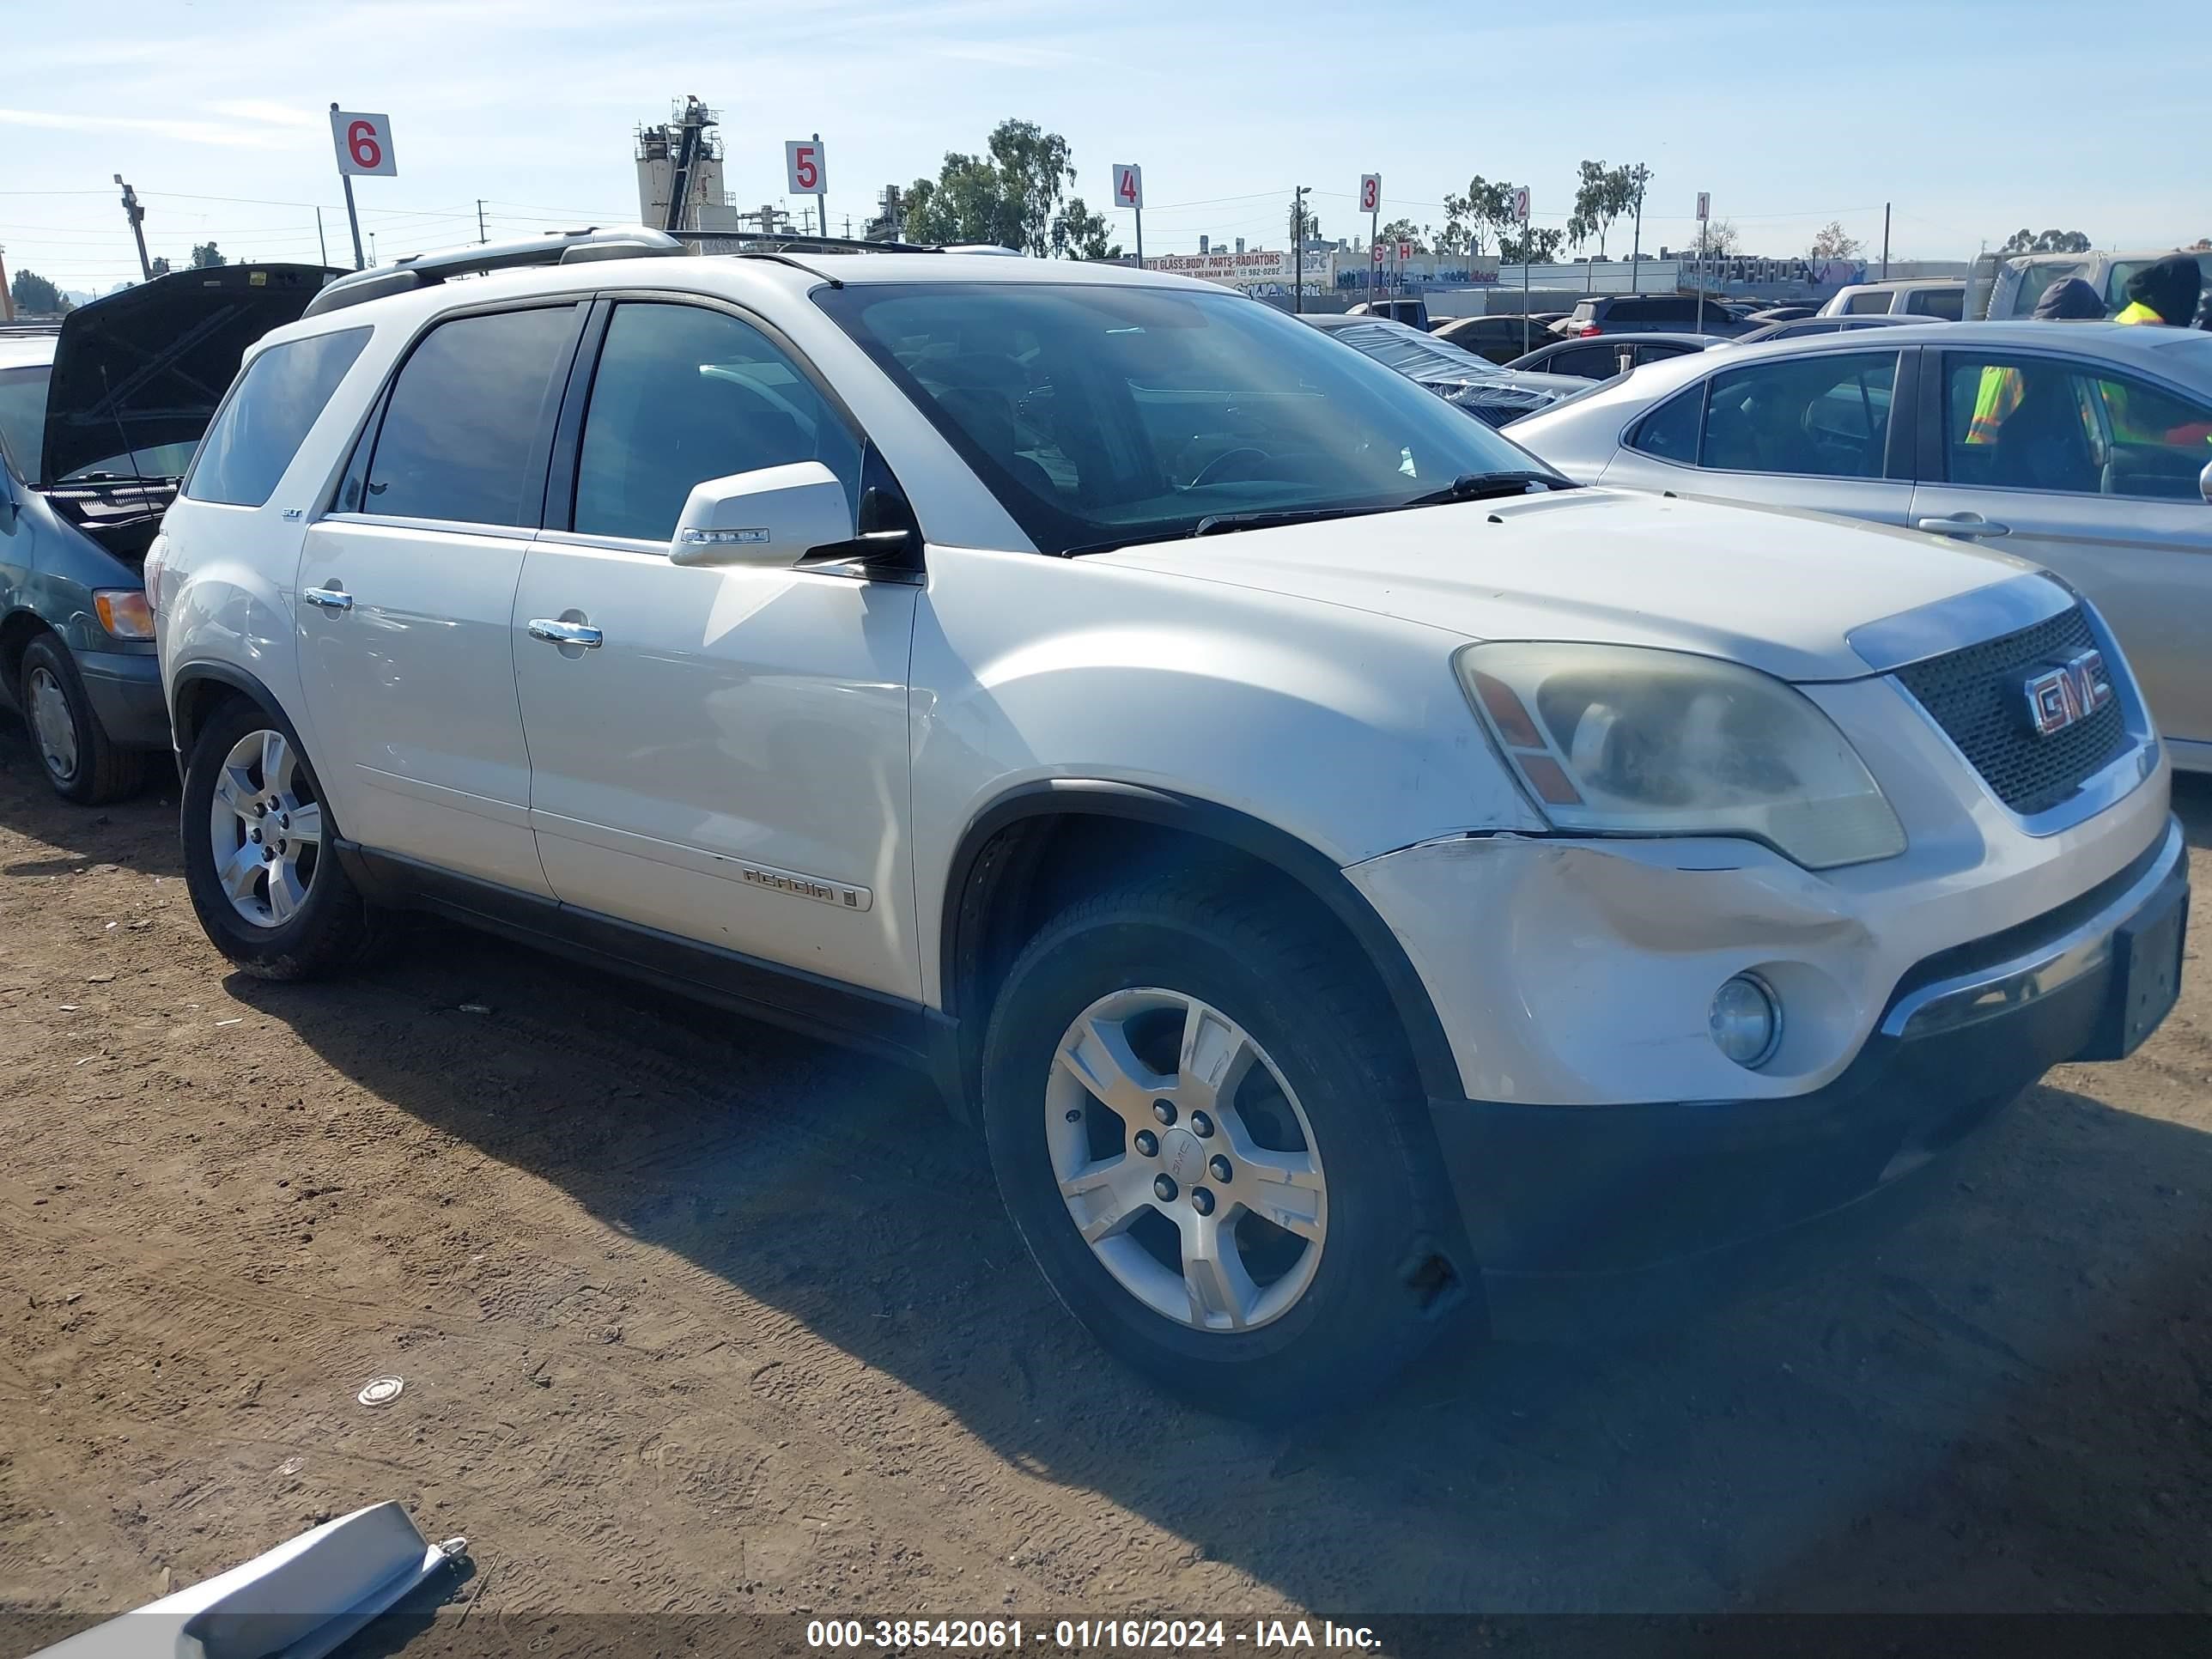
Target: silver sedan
[{"x": 2086, "y": 447}]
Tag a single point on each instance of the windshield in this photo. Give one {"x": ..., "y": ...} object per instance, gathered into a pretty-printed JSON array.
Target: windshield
[
  {"x": 1100, "y": 415},
  {"x": 152, "y": 461},
  {"x": 23, "y": 417}
]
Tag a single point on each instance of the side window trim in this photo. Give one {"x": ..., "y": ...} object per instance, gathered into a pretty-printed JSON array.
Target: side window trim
[
  {"x": 1904, "y": 417},
  {"x": 567, "y": 452},
  {"x": 541, "y": 447}
]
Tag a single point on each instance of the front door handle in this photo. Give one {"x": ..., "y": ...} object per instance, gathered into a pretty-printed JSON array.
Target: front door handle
[
  {"x": 1963, "y": 523},
  {"x": 564, "y": 632},
  {"x": 329, "y": 598}
]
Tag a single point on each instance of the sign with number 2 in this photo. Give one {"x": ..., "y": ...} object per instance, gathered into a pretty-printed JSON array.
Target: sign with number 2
[{"x": 364, "y": 144}]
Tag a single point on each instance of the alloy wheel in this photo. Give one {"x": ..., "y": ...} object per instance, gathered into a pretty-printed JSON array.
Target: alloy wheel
[
  {"x": 265, "y": 830},
  {"x": 1185, "y": 1160}
]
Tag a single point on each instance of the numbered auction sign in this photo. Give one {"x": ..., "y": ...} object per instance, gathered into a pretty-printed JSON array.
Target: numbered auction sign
[
  {"x": 1521, "y": 205},
  {"x": 1129, "y": 184},
  {"x": 803, "y": 163},
  {"x": 1370, "y": 193},
  {"x": 364, "y": 144}
]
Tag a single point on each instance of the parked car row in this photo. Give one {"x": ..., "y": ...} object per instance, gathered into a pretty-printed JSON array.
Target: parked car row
[{"x": 1115, "y": 698}]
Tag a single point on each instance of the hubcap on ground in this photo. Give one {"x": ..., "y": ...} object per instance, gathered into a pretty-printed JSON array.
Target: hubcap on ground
[
  {"x": 1228, "y": 1255},
  {"x": 52, "y": 724},
  {"x": 267, "y": 830}
]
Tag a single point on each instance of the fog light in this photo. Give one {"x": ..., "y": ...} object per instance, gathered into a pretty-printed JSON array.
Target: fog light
[{"x": 1747, "y": 1020}]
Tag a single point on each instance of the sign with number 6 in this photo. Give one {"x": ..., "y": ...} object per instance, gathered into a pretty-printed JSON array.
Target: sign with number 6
[
  {"x": 803, "y": 163},
  {"x": 364, "y": 144},
  {"x": 1129, "y": 184},
  {"x": 1370, "y": 193}
]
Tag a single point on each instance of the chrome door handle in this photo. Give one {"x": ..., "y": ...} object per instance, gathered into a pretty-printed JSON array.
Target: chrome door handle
[
  {"x": 1965, "y": 525},
  {"x": 329, "y": 598},
  {"x": 564, "y": 632}
]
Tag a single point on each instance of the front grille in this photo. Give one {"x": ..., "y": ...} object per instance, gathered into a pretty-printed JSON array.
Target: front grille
[{"x": 1979, "y": 696}]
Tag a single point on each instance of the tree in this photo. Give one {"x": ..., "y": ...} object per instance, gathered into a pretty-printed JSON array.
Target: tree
[
  {"x": 1404, "y": 230},
  {"x": 1633, "y": 180},
  {"x": 1079, "y": 233},
  {"x": 1308, "y": 226},
  {"x": 1721, "y": 237},
  {"x": 1484, "y": 212},
  {"x": 205, "y": 255},
  {"x": 1833, "y": 243},
  {"x": 1011, "y": 198},
  {"x": 160, "y": 267},
  {"x": 1601, "y": 196},
  {"x": 34, "y": 295},
  {"x": 2049, "y": 242},
  {"x": 1539, "y": 246}
]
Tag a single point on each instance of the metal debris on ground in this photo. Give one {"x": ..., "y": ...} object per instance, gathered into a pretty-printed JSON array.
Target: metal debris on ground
[{"x": 381, "y": 1391}]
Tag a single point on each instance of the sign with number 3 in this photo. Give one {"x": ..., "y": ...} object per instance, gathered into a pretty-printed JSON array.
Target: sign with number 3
[{"x": 364, "y": 144}]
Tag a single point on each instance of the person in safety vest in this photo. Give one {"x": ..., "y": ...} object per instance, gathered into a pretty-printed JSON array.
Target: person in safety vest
[
  {"x": 1999, "y": 392},
  {"x": 2165, "y": 291}
]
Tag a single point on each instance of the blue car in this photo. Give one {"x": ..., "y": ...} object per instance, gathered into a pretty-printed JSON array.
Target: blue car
[{"x": 97, "y": 424}]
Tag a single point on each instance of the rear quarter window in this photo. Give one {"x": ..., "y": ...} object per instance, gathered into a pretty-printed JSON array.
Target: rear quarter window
[{"x": 268, "y": 416}]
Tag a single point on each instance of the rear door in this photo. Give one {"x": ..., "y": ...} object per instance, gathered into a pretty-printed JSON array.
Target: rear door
[
  {"x": 2095, "y": 474},
  {"x": 406, "y": 591},
  {"x": 1822, "y": 430}
]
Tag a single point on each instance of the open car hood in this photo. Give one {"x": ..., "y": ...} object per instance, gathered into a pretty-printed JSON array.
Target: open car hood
[{"x": 145, "y": 369}]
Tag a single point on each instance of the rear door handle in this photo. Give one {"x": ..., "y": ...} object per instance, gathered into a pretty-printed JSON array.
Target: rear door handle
[
  {"x": 329, "y": 598},
  {"x": 564, "y": 632},
  {"x": 1963, "y": 523}
]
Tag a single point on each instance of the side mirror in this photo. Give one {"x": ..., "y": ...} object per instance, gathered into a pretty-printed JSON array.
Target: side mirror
[
  {"x": 769, "y": 518},
  {"x": 2204, "y": 481}
]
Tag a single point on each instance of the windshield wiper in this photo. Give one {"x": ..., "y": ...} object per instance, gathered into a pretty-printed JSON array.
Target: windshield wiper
[
  {"x": 1481, "y": 486},
  {"x": 1220, "y": 524}
]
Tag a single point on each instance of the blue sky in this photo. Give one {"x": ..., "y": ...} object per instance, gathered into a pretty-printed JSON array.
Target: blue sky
[{"x": 1969, "y": 117}]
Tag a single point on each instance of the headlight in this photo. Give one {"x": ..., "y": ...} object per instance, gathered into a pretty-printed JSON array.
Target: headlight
[
  {"x": 125, "y": 613},
  {"x": 1623, "y": 740}
]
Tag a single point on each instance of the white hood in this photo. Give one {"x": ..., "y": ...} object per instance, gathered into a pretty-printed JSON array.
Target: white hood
[{"x": 1775, "y": 589}]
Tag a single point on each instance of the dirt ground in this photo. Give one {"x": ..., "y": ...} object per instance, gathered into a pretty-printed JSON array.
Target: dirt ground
[{"x": 694, "y": 1316}]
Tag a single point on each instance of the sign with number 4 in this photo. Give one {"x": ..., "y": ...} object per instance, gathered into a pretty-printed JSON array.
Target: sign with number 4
[
  {"x": 805, "y": 166},
  {"x": 1370, "y": 193},
  {"x": 1129, "y": 184},
  {"x": 364, "y": 144}
]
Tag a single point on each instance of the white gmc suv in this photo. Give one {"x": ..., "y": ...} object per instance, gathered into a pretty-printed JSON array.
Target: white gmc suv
[{"x": 1347, "y": 873}]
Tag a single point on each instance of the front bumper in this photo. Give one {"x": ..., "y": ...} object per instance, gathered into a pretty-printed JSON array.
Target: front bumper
[
  {"x": 1564, "y": 1192},
  {"x": 125, "y": 690}
]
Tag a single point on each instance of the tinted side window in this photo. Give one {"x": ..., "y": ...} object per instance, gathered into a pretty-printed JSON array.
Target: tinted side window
[
  {"x": 1592, "y": 362},
  {"x": 268, "y": 416},
  {"x": 463, "y": 424},
  {"x": 1948, "y": 303},
  {"x": 1875, "y": 304},
  {"x": 682, "y": 395},
  {"x": 1824, "y": 417},
  {"x": 1670, "y": 431}
]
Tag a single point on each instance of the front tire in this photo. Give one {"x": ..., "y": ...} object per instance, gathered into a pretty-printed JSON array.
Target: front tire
[
  {"x": 80, "y": 760},
  {"x": 258, "y": 861},
  {"x": 1206, "y": 1127}
]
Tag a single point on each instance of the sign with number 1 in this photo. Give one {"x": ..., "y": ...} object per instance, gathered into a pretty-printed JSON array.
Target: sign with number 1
[
  {"x": 1129, "y": 184},
  {"x": 364, "y": 144}
]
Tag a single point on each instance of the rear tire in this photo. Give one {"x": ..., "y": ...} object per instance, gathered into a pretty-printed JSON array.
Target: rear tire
[
  {"x": 259, "y": 862},
  {"x": 1205, "y": 1125},
  {"x": 80, "y": 760}
]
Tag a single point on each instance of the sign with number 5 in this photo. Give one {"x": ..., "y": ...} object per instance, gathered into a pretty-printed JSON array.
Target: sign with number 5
[
  {"x": 803, "y": 163},
  {"x": 1129, "y": 184},
  {"x": 1370, "y": 193},
  {"x": 364, "y": 144}
]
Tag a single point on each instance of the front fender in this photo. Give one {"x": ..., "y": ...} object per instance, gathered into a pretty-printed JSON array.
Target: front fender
[{"x": 1343, "y": 731}]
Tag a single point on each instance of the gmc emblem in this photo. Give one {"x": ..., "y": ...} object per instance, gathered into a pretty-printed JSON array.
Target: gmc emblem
[{"x": 2072, "y": 691}]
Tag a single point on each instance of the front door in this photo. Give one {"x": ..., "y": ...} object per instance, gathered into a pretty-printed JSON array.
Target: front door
[
  {"x": 1809, "y": 431},
  {"x": 2095, "y": 474},
  {"x": 406, "y": 595},
  {"x": 727, "y": 763}
]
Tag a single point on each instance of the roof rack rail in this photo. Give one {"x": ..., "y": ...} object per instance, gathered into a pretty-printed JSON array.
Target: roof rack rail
[
  {"x": 560, "y": 247},
  {"x": 755, "y": 241}
]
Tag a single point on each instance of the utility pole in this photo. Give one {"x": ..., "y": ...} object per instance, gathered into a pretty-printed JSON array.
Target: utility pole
[
  {"x": 822, "y": 196},
  {"x": 1298, "y": 250},
  {"x": 372, "y": 247},
  {"x": 481, "y": 238},
  {"x": 137, "y": 215},
  {"x": 1884, "y": 241},
  {"x": 321, "y": 246}
]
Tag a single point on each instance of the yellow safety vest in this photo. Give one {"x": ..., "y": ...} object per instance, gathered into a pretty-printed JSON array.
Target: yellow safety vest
[{"x": 2136, "y": 312}]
